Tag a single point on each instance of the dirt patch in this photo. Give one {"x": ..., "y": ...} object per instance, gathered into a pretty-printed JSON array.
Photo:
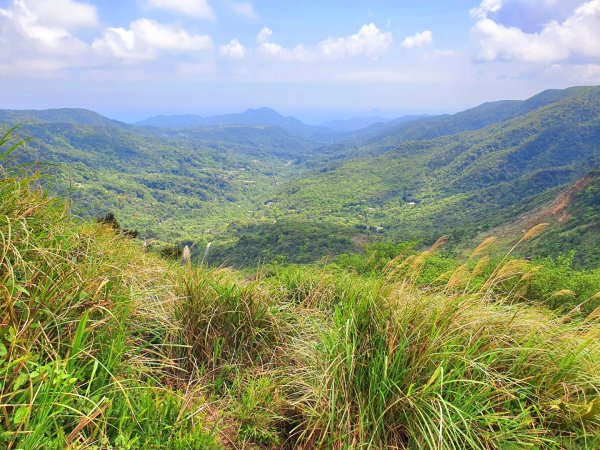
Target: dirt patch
[{"x": 557, "y": 209}]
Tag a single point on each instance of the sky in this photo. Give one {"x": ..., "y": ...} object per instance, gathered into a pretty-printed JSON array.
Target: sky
[{"x": 314, "y": 59}]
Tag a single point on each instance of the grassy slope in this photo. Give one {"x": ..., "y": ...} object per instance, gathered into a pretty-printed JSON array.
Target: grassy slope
[
  {"x": 573, "y": 216},
  {"x": 579, "y": 224},
  {"x": 85, "y": 346},
  {"x": 105, "y": 346}
]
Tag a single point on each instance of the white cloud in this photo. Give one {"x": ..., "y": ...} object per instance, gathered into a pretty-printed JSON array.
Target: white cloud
[
  {"x": 36, "y": 37},
  {"x": 486, "y": 7},
  {"x": 369, "y": 41},
  {"x": 197, "y": 8},
  {"x": 30, "y": 27},
  {"x": 590, "y": 73},
  {"x": 52, "y": 14},
  {"x": 418, "y": 39},
  {"x": 245, "y": 9},
  {"x": 147, "y": 40},
  {"x": 577, "y": 36},
  {"x": 263, "y": 35},
  {"x": 272, "y": 49},
  {"x": 234, "y": 50},
  {"x": 278, "y": 52}
]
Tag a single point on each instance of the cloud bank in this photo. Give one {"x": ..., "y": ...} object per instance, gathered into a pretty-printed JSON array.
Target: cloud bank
[{"x": 575, "y": 38}]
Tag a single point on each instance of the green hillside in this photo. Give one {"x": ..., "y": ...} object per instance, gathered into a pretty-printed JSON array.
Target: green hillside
[
  {"x": 73, "y": 116},
  {"x": 574, "y": 223},
  {"x": 265, "y": 117},
  {"x": 167, "y": 185},
  {"x": 383, "y": 138},
  {"x": 257, "y": 192},
  {"x": 459, "y": 184}
]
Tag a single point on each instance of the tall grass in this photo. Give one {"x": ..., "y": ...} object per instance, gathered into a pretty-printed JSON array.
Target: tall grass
[
  {"x": 84, "y": 325},
  {"x": 344, "y": 361},
  {"x": 412, "y": 367}
]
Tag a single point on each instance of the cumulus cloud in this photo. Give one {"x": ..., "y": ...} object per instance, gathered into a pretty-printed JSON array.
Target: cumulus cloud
[
  {"x": 486, "y": 7},
  {"x": 275, "y": 51},
  {"x": 418, "y": 39},
  {"x": 31, "y": 27},
  {"x": 576, "y": 37},
  {"x": 369, "y": 41},
  {"x": 528, "y": 15},
  {"x": 147, "y": 40},
  {"x": 37, "y": 37},
  {"x": 197, "y": 8},
  {"x": 245, "y": 9},
  {"x": 234, "y": 50},
  {"x": 52, "y": 14},
  {"x": 272, "y": 50}
]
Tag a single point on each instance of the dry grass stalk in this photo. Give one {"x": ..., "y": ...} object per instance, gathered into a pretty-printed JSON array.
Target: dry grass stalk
[
  {"x": 481, "y": 247},
  {"x": 534, "y": 232},
  {"x": 563, "y": 293}
]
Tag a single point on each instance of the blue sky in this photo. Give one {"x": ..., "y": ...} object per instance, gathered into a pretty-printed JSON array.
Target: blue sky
[{"x": 313, "y": 59}]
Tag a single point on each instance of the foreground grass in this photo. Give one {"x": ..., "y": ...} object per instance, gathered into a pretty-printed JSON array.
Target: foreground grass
[
  {"x": 105, "y": 346},
  {"x": 85, "y": 333}
]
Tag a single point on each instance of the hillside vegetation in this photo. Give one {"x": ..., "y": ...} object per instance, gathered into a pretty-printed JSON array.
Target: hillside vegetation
[
  {"x": 106, "y": 346},
  {"x": 169, "y": 185},
  {"x": 460, "y": 184},
  {"x": 247, "y": 182}
]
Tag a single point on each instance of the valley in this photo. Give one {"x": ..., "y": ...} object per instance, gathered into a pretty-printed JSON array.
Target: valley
[{"x": 247, "y": 181}]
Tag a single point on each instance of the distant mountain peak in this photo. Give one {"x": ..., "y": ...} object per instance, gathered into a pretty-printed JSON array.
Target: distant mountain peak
[
  {"x": 262, "y": 113},
  {"x": 263, "y": 116},
  {"x": 263, "y": 109}
]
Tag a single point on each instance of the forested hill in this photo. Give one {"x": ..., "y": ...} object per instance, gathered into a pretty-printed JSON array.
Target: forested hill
[
  {"x": 573, "y": 217},
  {"x": 383, "y": 137},
  {"x": 167, "y": 184},
  {"x": 460, "y": 183},
  {"x": 73, "y": 116},
  {"x": 260, "y": 191},
  {"x": 251, "y": 117}
]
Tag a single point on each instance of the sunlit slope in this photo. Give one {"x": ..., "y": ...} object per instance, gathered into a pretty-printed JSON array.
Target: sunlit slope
[{"x": 460, "y": 183}]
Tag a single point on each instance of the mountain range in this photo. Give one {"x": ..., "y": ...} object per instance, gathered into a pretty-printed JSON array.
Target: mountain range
[
  {"x": 259, "y": 178},
  {"x": 269, "y": 117}
]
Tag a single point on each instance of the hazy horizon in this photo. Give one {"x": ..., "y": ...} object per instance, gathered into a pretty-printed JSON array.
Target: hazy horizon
[
  {"x": 308, "y": 117},
  {"x": 207, "y": 57}
]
